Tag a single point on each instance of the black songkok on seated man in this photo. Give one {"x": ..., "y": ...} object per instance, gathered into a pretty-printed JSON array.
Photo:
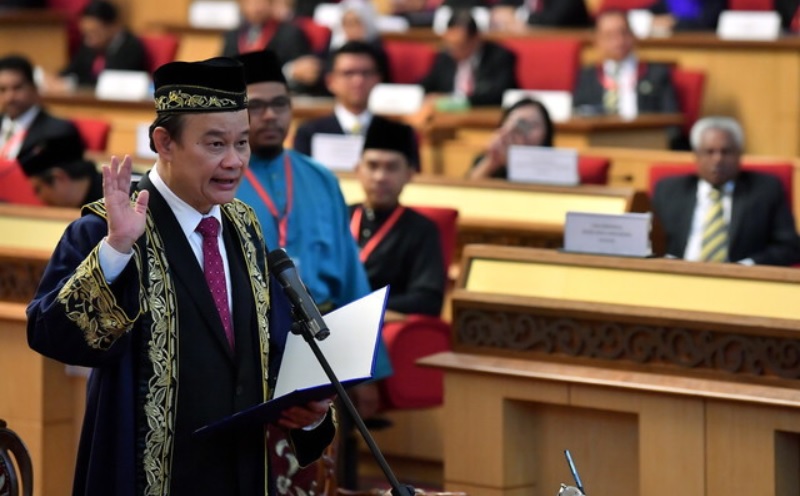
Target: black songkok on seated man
[
  {"x": 384, "y": 134},
  {"x": 213, "y": 85},
  {"x": 57, "y": 151},
  {"x": 262, "y": 67}
]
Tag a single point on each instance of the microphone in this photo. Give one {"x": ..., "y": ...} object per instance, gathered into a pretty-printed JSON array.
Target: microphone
[{"x": 282, "y": 266}]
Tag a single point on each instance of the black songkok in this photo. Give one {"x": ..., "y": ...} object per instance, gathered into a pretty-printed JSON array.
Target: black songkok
[
  {"x": 213, "y": 85},
  {"x": 384, "y": 134},
  {"x": 55, "y": 151},
  {"x": 262, "y": 67}
]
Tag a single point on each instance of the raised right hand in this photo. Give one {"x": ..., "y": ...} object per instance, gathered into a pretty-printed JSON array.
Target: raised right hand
[{"x": 126, "y": 220}]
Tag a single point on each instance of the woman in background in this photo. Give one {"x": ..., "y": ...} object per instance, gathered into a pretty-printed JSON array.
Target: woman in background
[{"x": 359, "y": 22}]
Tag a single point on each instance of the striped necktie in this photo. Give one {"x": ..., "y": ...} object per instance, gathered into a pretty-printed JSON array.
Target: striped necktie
[
  {"x": 715, "y": 231},
  {"x": 611, "y": 93}
]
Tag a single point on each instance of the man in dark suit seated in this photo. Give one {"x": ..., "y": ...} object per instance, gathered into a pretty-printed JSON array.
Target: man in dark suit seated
[
  {"x": 106, "y": 44},
  {"x": 469, "y": 67},
  {"x": 23, "y": 122},
  {"x": 59, "y": 174},
  {"x": 354, "y": 73},
  {"x": 722, "y": 214},
  {"x": 260, "y": 29},
  {"x": 685, "y": 15}
]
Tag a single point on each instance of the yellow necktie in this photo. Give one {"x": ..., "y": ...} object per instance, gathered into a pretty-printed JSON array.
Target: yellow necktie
[
  {"x": 715, "y": 231},
  {"x": 355, "y": 129}
]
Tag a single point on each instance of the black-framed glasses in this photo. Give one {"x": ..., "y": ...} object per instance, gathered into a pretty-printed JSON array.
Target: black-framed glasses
[{"x": 278, "y": 105}]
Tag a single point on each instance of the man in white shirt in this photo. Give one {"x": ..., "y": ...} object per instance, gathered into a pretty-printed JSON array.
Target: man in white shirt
[
  {"x": 724, "y": 214},
  {"x": 23, "y": 122}
]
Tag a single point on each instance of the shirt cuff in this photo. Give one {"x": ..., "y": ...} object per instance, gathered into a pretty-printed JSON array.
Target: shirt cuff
[{"x": 112, "y": 262}]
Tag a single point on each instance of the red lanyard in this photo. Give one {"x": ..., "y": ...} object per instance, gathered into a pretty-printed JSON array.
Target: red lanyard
[
  {"x": 13, "y": 142},
  {"x": 369, "y": 247},
  {"x": 260, "y": 43},
  {"x": 283, "y": 220}
]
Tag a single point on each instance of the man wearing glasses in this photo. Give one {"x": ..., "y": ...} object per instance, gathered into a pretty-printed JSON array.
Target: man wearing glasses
[{"x": 354, "y": 73}]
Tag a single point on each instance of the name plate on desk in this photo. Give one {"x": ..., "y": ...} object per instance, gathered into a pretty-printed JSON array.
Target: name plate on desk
[
  {"x": 441, "y": 17},
  {"x": 745, "y": 25},
  {"x": 337, "y": 152},
  {"x": 215, "y": 15},
  {"x": 605, "y": 234},
  {"x": 641, "y": 22},
  {"x": 396, "y": 98},
  {"x": 143, "y": 142},
  {"x": 557, "y": 103},
  {"x": 543, "y": 165},
  {"x": 123, "y": 85}
]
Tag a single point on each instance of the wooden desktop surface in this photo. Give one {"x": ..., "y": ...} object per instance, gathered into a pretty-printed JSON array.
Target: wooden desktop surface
[{"x": 39, "y": 34}]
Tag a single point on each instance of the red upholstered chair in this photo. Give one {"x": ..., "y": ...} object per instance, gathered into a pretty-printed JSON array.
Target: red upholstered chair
[
  {"x": 409, "y": 62},
  {"x": 593, "y": 170},
  {"x": 160, "y": 49},
  {"x": 15, "y": 187},
  {"x": 412, "y": 386},
  {"x": 689, "y": 87},
  {"x": 94, "y": 132},
  {"x": 318, "y": 36},
  {"x": 751, "y": 5},
  {"x": 16, "y": 470},
  {"x": 782, "y": 170},
  {"x": 546, "y": 63}
]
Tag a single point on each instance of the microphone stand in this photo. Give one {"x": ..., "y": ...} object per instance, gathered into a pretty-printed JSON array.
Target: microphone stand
[{"x": 397, "y": 488}]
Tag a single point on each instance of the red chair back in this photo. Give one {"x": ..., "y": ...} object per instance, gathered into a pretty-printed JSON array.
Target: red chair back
[
  {"x": 546, "y": 63},
  {"x": 593, "y": 170},
  {"x": 751, "y": 5},
  {"x": 689, "y": 87},
  {"x": 160, "y": 49},
  {"x": 784, "y": 171},
  {"x": 94, "y": 133},
  {"x": 446, "y": 219},
  {"x": 319, "y": 37},
  {"x": 409, "y": 61},
  {"x": 14, "y": 186}
]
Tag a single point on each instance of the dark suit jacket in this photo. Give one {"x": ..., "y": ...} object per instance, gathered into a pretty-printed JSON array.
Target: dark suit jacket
[
  {"x": 787, "y": 10},
  {"x": 654, "y": 90},
  {"x": 571, "y": 13},
  {"x": 330, "y": 125},
  {"x": 761, "y": 226},
  {"x": 707, "y": 20},
  {"x": 129, "y": 55},
  {"x": 494, "y": 75},
  {"x": 45, "y": 126},
  {"x": 289, "y": 42}
]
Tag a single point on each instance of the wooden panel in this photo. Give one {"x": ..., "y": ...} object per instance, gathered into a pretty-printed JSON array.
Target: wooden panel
[{"x": 41, "y": 35}]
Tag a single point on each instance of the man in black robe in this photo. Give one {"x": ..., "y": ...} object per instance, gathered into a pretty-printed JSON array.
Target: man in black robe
[{"x": 166, "y": 294}]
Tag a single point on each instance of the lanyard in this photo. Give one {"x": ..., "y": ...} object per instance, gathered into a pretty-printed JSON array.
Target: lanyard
[
  {"x": 369, "y": 247},
  {"x": 259, "y": 43},
  {"x": 12, "y": 144},
  {"x": 283, "y": 220}
]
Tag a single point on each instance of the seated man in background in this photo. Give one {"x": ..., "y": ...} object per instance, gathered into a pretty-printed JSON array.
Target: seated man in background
[
  {"x": 684, "y": 15},
  {"x": 354, "y": 73},
  {"x": 59, "y": 174},
  {"x": 24, "y": 124},
  {"x": 723, "y": 214},
  {"x": 261, "y": 30},
  {"x": 470, "y": 68},
  {"x": 106, "y": 44},
  {"x": 524, "y": 123},
  {"x": 621, "y": 83},
  {"x": 399, "y": 247},
  {"x": 516, "y": 15}
]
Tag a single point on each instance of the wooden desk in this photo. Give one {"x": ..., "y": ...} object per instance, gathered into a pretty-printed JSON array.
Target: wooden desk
[
  {"x": 662, "y": 377},
  {"x": 39, "y": 34},
  {"x": 499, "y": 212}
]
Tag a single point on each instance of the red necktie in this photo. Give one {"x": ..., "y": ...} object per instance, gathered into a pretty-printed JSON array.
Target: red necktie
[
  {"x": 98, "y": 65},
  {"x": 795, "y": 24},
  {"x": 215, "y": 272}
]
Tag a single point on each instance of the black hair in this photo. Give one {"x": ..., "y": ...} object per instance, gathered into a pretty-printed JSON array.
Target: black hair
[
  {"x": 75, "y": 170},
  {"x": 172, "y": 122},
  {"x": 356, "y": 48},
  {"x": 19, "y": 64},
  {"x": 105, "y": 12},
  {"x": 529, "y": 102},
  {"x": 463, "y": 19},
  {"x": 612, "y": 11}
]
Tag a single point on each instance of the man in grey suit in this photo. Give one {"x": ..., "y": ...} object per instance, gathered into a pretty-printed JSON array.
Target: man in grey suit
[{"x": 755, "y": 224}]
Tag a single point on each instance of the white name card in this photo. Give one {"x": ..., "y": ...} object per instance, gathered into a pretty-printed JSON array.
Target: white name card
[
  {"x": 143, "y": 142},
  {"x": 123, "y": 85},
  {"x": 392, "y": 24},
  {"x": 441, "y": 17},
  {"x": 607, "y": 234},
  {"x": 641, "y": 22},
  {"x": 397, "y": 99},
  {"x": 336, "y": 151},
  {"x": 542, "y": 165},
  {"x": 557, "y": 103},
  {"x": 213, "y": 14},
  {"x": 746, "y": 25},
  {"x": 328, "y": 15}
]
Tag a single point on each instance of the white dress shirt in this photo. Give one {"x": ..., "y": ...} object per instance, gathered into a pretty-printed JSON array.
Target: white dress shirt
[
  {"x": 694, "y": 244},
  {"x": 19, "y": 125},
  {"x": 113, "y": 262},
  {"x": 627, "y": 79},
  {"x": 349, "y": 120}
]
